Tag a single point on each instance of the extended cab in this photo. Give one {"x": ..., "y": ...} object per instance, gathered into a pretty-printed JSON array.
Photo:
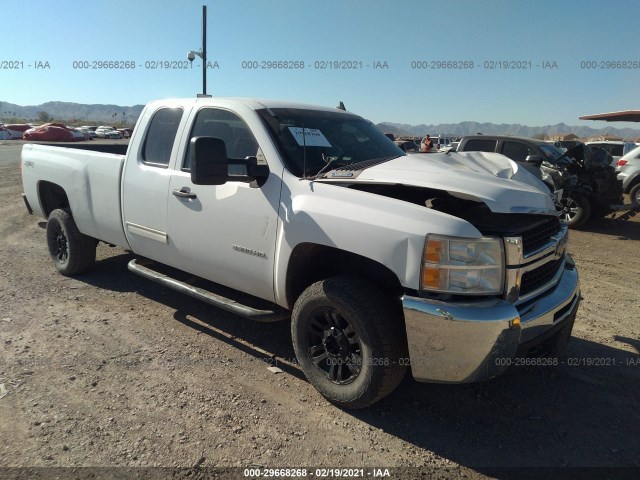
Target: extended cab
[{"x": 451, "y": 267}]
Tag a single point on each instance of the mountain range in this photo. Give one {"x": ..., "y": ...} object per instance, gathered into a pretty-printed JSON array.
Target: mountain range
[
  {"x": 69, "y": 112},
  {"x": 471, "y": 128}
]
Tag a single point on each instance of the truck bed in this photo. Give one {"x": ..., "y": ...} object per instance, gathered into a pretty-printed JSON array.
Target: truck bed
[
  {"x": 91, "y": 181},
  {"x": 117, "y": 148}
]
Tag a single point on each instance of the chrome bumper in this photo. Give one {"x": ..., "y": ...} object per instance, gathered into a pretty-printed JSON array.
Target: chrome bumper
[{"x": 463, "y": 342}]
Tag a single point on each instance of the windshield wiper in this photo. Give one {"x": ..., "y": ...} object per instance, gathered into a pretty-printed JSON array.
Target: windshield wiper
[
  {"x": 362, "y": 164},
  {"x": 323, "y": 169}
]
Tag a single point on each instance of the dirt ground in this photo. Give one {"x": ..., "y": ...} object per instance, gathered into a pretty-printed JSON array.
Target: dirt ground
[{"x": 110, "y": 370}]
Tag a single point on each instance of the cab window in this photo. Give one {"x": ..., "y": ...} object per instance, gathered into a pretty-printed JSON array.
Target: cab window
[
  {"x": 161, "y": 136},
  {"x": 227, "y": 126},
  {"x": 516, "y": 151}
]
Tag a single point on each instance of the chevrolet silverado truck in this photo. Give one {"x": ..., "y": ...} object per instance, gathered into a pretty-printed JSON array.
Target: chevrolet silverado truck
[{"x": 452, "y": 266}]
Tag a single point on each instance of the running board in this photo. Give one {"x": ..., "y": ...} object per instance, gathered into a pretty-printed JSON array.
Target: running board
[{"x": 207, "y": 296}]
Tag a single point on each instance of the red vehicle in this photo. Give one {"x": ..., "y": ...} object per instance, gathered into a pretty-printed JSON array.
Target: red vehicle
[
  {"x": 51, "y": 132},
  {"x": 125, "y": 132}
]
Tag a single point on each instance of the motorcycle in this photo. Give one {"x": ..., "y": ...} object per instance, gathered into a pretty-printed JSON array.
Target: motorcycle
[{"x": 585, "y": 184}]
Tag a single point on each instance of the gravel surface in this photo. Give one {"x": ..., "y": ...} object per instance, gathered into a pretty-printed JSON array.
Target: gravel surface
[{"x": 110, "y": 370}]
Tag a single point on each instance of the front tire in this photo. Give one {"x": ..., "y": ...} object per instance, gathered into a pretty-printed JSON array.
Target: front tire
[
  {"x": 72, "y": 252},
  {"x": 575, "y": 209},
  {"x": 349, "y": 340}
]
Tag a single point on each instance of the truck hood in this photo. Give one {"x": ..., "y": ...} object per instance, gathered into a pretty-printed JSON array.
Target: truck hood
[{"x": 490, "y": 178}]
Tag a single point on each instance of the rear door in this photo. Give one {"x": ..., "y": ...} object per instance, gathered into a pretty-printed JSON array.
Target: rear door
[{"x": 146, "y": 178}]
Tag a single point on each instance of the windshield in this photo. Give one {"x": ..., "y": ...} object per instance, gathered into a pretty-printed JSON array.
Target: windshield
[
  {"x": 311, "y": 139},
  {"x": 551, "y": 152}
]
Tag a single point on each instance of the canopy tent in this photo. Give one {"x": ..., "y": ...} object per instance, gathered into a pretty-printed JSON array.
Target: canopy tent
[{"x": 624, "y": 116}]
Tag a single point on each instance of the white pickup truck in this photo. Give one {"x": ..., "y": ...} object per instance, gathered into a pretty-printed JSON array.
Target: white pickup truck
[{"x": 452, "y": 265}]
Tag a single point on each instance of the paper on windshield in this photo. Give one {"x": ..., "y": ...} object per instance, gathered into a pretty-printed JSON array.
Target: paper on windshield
[{"x": 311, "y": 137}]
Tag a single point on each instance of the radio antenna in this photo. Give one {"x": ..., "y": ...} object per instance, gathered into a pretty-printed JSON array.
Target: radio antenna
[{"x": 304, "y": 152}]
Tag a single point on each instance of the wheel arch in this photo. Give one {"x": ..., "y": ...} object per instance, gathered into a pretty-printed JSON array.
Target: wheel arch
[
  {"x": 51, "y": 197},
  {"x": 635, "y": 180},
  {"x": 311, "y": 262}
]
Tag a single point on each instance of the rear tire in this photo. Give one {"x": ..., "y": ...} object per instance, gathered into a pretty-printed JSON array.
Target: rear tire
[
  {"x": 72, "y": 252},
  {"x": 349, "y": 340}
]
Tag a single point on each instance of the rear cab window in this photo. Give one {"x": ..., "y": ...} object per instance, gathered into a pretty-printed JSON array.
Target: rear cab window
[
  {"x": 480, "y": 145},
  {"x": 161, "y": 135}
]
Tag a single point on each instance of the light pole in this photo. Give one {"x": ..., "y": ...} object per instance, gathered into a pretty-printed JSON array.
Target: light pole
[{"x": 202, "y": 53}]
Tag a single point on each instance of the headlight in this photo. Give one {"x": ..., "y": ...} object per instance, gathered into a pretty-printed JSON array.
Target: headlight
[{"x": 473, "y": 266}]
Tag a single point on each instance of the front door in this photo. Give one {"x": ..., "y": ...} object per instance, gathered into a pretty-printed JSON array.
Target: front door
[{"x": 225, "y": 233}]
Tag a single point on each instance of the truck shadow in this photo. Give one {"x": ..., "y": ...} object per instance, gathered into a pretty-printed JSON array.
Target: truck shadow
[
  {"x": 583, "y": 412},
  {"x": 622, "y": 229},
  {"x": 270, "y": 343}
]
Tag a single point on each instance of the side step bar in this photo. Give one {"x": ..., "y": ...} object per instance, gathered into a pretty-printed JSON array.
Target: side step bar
[{"x": 206, "y": 296}]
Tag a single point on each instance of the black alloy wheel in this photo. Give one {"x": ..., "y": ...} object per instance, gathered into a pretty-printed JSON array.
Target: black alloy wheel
[{"x": 335, "y": 346}]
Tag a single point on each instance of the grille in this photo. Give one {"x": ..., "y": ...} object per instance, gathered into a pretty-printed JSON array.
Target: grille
[
  {"x": 538, "y": 277},
  {"x": 539, "y": 234}
]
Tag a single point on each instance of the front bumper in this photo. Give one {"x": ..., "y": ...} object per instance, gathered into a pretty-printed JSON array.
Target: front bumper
[{"x": 464, "y": 342}]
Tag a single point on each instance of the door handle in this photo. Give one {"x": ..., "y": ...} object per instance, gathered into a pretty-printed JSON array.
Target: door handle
[{"x": 184, "y": 193}]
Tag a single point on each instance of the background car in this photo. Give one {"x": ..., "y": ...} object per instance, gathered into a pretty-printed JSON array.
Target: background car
[
  {"x": 78, "y": 134},
  {"x": 628, "y": 168},
  {"x": 406, "y": 145},
  {"x": 616, "y": 148},
  {"x": 17, "y": 129},
  {"x": 108, "y": 132},
  {"x": 440, "y": 144},
  {"x": 49, "y": 132},
  {"x": 91, "y": 134},
  {"x": 564, "y": 145},
  {"x": 527, "y": 152},
  {"x": 584, "y": 179},
  {"x": 5, "y": 134},
  {"x": 126, "y": 132}
]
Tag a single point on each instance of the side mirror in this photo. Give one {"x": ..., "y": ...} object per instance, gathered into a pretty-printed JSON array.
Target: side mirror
[
  {"x": 248, "y": 171},
  {"x": 534, "y": 160},
  {"x": 211, "y": 166},
  {"x": 209, "y": 162}
]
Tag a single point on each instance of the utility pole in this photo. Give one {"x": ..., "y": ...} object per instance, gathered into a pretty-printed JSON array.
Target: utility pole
[
  {"x": 202, "y": 53},
  {"x": 204, "y": 49}
]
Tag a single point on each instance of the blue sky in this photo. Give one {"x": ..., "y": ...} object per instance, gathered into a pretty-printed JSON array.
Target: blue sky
[{"x": 535, "y": 34}]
